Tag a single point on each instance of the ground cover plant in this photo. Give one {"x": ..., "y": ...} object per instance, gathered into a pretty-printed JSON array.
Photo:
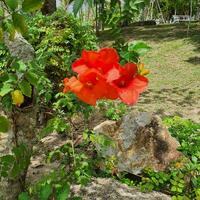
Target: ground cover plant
[{"x": 58, "y": 79}]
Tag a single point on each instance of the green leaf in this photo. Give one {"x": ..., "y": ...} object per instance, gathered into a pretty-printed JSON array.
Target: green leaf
[
  {"x": 4, "y": 124},
  {"x": 7, "y": 102},
  {"x": 90, "y": 3},
  {"x": 63, "y": 195},
  {"x": 32, "y": 78},
  {"x": 19, "y": 23},
  {"x": 26, "y": 88},
  {"x": 21, "y": 67},
  {"x": 140, "y": 47},
  {"x": 12, "y": 4},
  {"x": 10, "y": 29},
  {"x": 139, "y": 1},
  {"x": 45, "y": 192},
  {"x": 5, "y": 89},
  {"x": 77, "y": 6},
  {"x": 31, "y": 5},
  {"x": 1, "y": 12},
  {"x": 24, "y": 196},
  {"x": 173, "y": 189}
]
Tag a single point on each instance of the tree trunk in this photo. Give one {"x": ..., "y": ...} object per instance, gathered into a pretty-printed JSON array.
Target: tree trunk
[{"x": 49, "y": 7}]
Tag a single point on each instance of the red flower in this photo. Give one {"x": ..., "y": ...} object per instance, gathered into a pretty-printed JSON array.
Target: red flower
[
  {"x": 129, "y": 85},
  {"x": 90, "y": 87},
  {"x": 100, "y": 76},
  {"x": 102, "y": 60},
  {"x": 72, "y": 84}
]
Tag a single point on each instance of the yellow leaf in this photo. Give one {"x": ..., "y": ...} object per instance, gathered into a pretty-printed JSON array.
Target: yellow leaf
[
  {"x": 17, "y": 97},
  {"x": 141, "y": 70},
  {"x": 144, "y": 72}
]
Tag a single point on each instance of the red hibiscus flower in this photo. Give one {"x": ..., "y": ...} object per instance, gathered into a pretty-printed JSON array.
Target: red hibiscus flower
[
  {"x": 90, "y": 87},
  {"x": 129, "y": 85},
  {"x": 100, "y": 76},
  {"x": 102, "y": 60}
]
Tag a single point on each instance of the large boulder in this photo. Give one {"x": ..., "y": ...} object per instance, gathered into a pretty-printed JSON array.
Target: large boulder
[
  {"x": 104, "y": 189},
  {"x": 140, "y": 140}
]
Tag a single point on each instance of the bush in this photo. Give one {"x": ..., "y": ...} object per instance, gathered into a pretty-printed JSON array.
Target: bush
[{"x": 58, "y": 40}]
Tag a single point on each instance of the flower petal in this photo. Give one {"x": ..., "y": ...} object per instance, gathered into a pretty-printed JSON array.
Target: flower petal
[
  {"x": 130, "y": 94},
  {"x": 109, "y": 55},
  {"x": 72, "y": 84},
  {"x": 90, "y": 58},
  {"x": 79, "y": 66},
  {"x": 114, "y": 73},
  {"x": 87, "y": 96}
]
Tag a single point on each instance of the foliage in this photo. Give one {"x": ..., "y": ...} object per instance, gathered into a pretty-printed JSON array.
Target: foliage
[
  {"x": 12, "y": 20},
  {"x": 26, "y": 84},
  {"x": 13, "y": 165},
  {"x": 15, "y": 21},
  {"x": 187, "y": 133},
  {"x": 75, "y": 167},
  {"x": 4, "y": 124},
  {"x": 131, "y": 51},
  {"x": 113, "y": 110},
  {"x": 131, "y": 10},
  {"x": 58, "y": 40}
]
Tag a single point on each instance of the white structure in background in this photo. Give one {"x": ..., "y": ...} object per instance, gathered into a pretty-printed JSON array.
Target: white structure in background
[
  {"x": 59, "y": 3},
  {"x": 180, "y": 18}
]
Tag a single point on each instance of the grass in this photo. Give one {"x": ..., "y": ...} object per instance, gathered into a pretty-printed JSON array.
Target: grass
[{"x": 174, "y": 62}]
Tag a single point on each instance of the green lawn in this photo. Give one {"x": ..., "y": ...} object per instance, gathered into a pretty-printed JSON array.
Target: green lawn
[{"x": 174, "y": 62}]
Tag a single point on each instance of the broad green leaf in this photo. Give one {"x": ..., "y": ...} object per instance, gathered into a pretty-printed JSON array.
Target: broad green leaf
[
  {"x": 77, "y": 6},
  {"x": 32, "y": 78},
  {"x": 140, "y": 47},
  {"x": 4, "y": 124},
  {"x": 31, "y": 5},
  {"x": 7, "y": 102},
  {"x": 19, "y": 23},
  {"x": 21, "y": 67},
  {"x": 12, "y": 4},
  {"x": 45, "y": 192},
  {"x": 139, "y": 1},
  {"x": 5, "y": 89},
  {"x": 24, "y": 196},
  {"x": 25, "y": 88},
  {"x": 133, "y": 6}
]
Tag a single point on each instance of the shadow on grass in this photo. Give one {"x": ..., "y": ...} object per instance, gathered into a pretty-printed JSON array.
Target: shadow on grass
[
  {"x": 194, "y": 60},
  {"x": 159, "y": 33},
  {"x": 177, "y": 96}
]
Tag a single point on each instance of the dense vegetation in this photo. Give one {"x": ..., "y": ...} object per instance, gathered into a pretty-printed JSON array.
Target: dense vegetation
[{"x": 34, "y": 87}]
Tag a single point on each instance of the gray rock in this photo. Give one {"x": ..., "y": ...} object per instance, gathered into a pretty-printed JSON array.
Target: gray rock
[
  {"x": 110, "y": 189},
  {"x": 140, "y": 140},
  {"x": 20, "y": 47}
]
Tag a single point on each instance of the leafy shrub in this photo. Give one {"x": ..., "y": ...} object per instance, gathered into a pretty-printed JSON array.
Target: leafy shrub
[
  {"x": 113, "y": 110},
  {"x": 187, "y": 133},
  {"x": 58, "y": 40}
]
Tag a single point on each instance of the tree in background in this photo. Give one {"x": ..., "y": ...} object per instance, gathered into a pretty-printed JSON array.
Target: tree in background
[{"x": 49, "y": 7}]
